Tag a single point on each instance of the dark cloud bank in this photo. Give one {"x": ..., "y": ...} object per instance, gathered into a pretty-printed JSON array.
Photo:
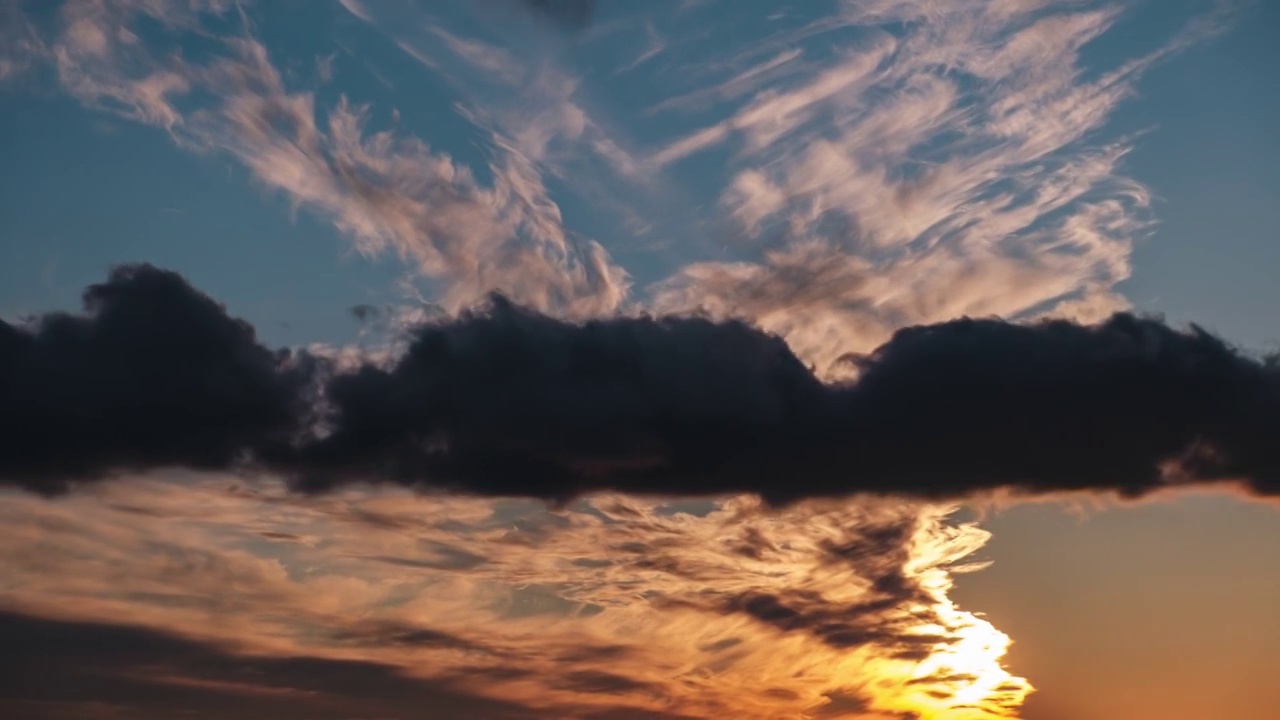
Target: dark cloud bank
[
  {"x": 63, "y": 669},
  {"x": 504, "y": 401},
  {"x": 51, "y": 669}
]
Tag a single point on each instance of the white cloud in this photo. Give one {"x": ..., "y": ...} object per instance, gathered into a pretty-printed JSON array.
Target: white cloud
[
  {"x": 927, "y": 159},
  {"x": 390, "y": 192},
  {"x": 947, "y": 168},
  {"x": 742, "y": 83}
]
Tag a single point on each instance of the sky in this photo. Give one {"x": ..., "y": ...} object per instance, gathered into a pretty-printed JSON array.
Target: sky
[{"x": 840, "y": 365}]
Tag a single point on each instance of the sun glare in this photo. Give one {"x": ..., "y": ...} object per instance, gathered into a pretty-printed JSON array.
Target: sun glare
[{"x": 963, "y": 678}]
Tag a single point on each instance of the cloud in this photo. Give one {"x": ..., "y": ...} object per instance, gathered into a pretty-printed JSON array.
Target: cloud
[
  {"x": 871, "y": 167},
  {"x": 513, "y": 86},
  {"x": 503, "y": 400},
  {"x": 952, "y": 152},
  {"x": 389, "y": 191},
  {"x": 922, "y": 161},
  {"x": 88, "y": 669},
  {"x": 154, "y": 373},
  {"x": 393, "y": 193},
  {"x": 868, "y": 176},
  {"x": 357, "y": 8},
  {"x": 688, "y": 406},
  {"x": 612, "y": 605},
  {"x": 101, "y": 61}
]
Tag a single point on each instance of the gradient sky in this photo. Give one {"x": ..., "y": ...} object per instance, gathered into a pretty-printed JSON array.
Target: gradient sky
[{"x": 831, "y": 171}]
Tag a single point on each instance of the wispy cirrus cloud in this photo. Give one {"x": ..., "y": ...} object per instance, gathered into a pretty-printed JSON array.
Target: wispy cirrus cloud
[
  {"x": 943, "y": 163},
  {"x": 951, "y": 153},
  {"x": 515, "y": 86},
  {"x": 391, "y": 192},
  {"x": 948, "y": 149},
  {"x": 394, "y": 193},
  {"x": 611, "y": 604}
]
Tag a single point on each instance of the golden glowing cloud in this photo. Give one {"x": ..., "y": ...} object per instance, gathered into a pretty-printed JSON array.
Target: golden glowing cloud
[{"x": 700, "y": 609}]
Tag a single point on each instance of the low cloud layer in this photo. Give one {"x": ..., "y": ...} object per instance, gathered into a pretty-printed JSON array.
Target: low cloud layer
[
  {"x": 96, "y": 669},
  {"x": 373, "y": 603},
  {"x": 505, "y": 401},
  {"x": 153, "y": 374}
]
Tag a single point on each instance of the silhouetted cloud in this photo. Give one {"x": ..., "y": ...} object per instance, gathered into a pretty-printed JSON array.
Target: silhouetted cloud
[
  {"x": 153, "y": 374},
  {"x": 506, "y": 401},
  {"x": 509, "y": 402}
]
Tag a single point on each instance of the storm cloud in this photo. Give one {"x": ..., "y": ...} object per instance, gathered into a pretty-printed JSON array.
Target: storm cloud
[{"x": 505, "y": 401}]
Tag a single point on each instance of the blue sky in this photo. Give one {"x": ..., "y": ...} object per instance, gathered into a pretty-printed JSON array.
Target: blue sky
[
  {"x": 1211, "y": 159},
  {"x": 1198, "y": 125},
  {"x": 828, "y": 170}
]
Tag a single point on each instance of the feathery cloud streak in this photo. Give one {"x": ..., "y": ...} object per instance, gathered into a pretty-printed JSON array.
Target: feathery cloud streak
[
  {"x": 872, "y": 164},
  {"x": 614, "y": 605},
  {"x": 864, "y": 166},
  {"x": 388, "y": 191}
]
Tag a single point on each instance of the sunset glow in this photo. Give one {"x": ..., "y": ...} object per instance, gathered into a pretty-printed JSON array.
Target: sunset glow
[
  {"x": 639, "y": 360},
  {"x": 336, "y": 569}
]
